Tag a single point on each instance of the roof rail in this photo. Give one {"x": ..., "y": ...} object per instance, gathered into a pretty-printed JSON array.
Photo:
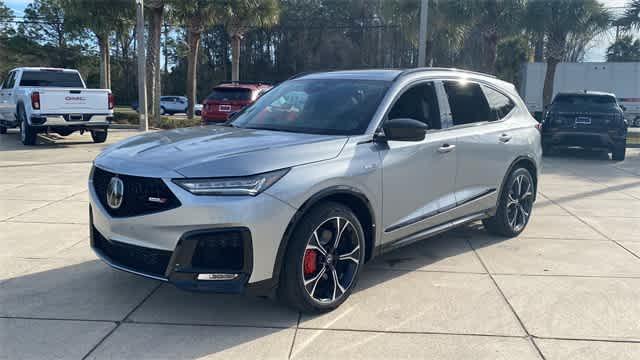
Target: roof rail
[{"x": 420, "y": 69}]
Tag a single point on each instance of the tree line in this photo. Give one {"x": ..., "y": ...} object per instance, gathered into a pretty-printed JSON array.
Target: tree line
[{"x": 193, "y": 45}]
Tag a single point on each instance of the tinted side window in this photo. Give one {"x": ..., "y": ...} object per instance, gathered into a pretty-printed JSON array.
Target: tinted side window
[
  {"x": 467, "y": 102},
  {"x": 11, "y": 80},
  {"x": 499, "y": 103},
  {"x": 419, "y": 103}
]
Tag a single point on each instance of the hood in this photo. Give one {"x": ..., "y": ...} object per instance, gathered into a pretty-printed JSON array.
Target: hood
[{"x": 217, "y": 151}]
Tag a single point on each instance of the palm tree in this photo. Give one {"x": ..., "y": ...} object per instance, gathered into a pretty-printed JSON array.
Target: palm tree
[
  {"x": 101, "y": 18},
  {"x": 488, "y": 22},
  {"x": 156, "y": 9},
  {"x": 196, "y": 16},
  {"x": 632, "y": 15},
  {"x": 560, "y": 21},
  {"x": 239, "y": 16},
  {"x": 624, "y": 49}
]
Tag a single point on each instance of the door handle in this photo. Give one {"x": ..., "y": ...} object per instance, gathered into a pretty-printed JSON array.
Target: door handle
[
  {"x": 445, "y": 148},
  {"x": 504, "y": 138}
]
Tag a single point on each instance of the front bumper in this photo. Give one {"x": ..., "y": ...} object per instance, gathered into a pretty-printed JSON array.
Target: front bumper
[
  {"x": 167, "y": 245},
  {"x": 67, "y": 120}
]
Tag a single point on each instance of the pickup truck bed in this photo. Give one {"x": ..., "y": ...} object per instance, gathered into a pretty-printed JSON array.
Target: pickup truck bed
[{"x": 53, "y": 100}]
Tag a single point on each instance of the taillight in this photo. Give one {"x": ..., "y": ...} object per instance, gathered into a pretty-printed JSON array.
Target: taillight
[
  {"x": 35, "y": 100},
  {"x": 539, "y": 127},
  {"x": 112, "y": 101}
]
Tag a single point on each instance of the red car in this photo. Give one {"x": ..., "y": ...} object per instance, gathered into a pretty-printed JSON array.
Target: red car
[{"x": 230, "y": 97}]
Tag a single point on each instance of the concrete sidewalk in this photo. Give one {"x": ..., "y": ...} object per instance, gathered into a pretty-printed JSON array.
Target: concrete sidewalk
[{"x": 567, "y": 288}]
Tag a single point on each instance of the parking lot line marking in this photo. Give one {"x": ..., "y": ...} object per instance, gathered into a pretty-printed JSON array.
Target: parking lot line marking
[{"x": 513, "y": 310}]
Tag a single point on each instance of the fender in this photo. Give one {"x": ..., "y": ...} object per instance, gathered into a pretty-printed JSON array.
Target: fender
[
  {"x": 520, "y": 158},
  {"x": 309, "y": 203}
]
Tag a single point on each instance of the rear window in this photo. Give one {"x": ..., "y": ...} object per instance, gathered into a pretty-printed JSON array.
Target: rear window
[
  {"x": 576, "y": 99},
  {"x": 51, "y": 79},
  {"x": 230, "y": 94}
]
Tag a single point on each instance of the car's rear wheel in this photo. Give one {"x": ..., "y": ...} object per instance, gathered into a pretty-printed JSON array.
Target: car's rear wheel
[
  {"x": 99, "y": 136},
  {"x": 3, "y": 130},
  {"x": 323, "y": 260},
  {"x": 619, "y": 151},
  {"x": 514, "y": 206},
  {"x": 27, "y": 133}
]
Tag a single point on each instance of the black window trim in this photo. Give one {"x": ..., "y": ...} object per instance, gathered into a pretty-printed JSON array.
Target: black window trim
[
  {"x": 406, "y": 88},
  {"x": 481, "y": 83}
]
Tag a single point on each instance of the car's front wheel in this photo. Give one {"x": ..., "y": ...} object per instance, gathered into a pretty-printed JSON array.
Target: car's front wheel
[
  {"x": 514, "y": 206},
  {"x": 619, "y": 151},
  {"x": 324, "y": 256}
]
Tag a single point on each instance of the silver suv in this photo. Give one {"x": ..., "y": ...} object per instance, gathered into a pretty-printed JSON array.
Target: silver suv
[{"x": 316, "y": 178}]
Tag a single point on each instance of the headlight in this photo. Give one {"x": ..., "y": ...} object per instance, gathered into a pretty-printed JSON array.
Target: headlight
[{"x": 246, "y": 185}]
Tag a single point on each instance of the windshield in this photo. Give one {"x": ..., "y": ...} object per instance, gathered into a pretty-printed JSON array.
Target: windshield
[
  {"x": 230, "y": 94},
  {"x": 576, "y": 99},
  {"x": 51, "y": 79},
  {"x": 327, "y": 106}
]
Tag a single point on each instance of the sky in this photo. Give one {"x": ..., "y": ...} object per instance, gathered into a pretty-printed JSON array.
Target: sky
[{"x": 596, "y": 52}]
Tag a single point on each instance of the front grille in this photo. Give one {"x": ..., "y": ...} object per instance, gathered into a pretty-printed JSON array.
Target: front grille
[
  {"x": 138, "y": 191},
  {"x": 137, "y": 258},
  {"x": 222, "y": 250}
]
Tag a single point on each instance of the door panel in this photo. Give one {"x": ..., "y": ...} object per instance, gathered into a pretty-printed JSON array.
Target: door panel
[
  {"x": 418, "y": 183},
  {"x": 6, "y": 95},
  {"x": 482, "y": 161},
  {"x": 483, "y": 137}
]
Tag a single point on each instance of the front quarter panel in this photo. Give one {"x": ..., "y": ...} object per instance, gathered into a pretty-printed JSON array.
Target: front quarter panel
[{"x": 356, "y": 169}]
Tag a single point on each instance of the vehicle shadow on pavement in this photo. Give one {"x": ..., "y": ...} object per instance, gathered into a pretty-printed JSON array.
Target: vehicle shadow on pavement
[{"x": 160, "y": 318}]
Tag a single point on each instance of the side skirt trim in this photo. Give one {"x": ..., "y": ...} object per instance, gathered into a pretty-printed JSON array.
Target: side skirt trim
[
  {"x": 420, "y": 235},
  {"x": 439, "y": 211}
]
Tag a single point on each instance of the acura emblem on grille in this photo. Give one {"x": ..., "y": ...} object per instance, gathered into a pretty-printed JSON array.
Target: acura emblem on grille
[{"x": 115, "y": 192}]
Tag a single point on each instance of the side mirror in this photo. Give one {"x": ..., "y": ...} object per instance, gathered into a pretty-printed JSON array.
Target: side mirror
[{"x": 404, "y": 129}]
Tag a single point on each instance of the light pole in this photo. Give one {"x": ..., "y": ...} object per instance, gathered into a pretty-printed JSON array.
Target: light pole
[
  {"x": 422, "y": 47},
  {"x": 142, "y": 74}
]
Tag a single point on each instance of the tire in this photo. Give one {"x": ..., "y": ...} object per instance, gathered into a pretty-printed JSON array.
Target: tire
[
  {"x": 546, "y": 149},
  {"x": 3, "y": 130},
  {"x": 99, "y": 136},
  {"x": 619, "y": 151},
  {"x": 514, "y": 205},
  {"x": 27, "y": 133},
  {"x": 162, "y": 111},
  {"x": 307, "y": 259}
]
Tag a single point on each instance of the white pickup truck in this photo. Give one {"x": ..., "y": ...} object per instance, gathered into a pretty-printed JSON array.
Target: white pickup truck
[{"x": 53, "y": 100}]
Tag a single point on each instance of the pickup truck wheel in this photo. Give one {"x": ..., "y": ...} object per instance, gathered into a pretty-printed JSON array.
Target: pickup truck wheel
[
  {"x": 618, "y": 151},
  {"x": 3, "y": 130},
  {"x": 99, "y": 136},
  {"x": 27, "y": 133}
]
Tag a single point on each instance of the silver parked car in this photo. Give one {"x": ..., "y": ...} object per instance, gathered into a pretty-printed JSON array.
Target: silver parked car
[{"x": 316, "y": 178}]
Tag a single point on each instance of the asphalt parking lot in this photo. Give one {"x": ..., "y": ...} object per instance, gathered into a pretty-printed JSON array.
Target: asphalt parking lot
[{"x": 567, "y": 288}]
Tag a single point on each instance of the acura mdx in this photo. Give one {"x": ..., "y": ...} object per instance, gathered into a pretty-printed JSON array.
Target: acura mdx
[{"x": 317, "y": 177}]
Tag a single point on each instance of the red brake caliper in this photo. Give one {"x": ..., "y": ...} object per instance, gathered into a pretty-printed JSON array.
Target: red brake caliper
[{"x": 310, "y": 261}]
